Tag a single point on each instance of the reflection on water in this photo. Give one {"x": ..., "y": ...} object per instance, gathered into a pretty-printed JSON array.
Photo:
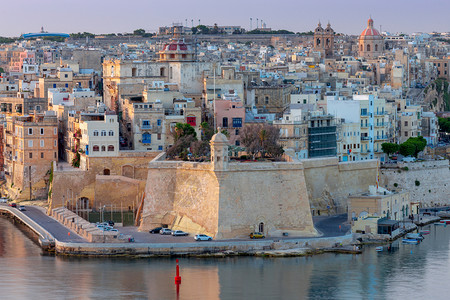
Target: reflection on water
[{"x": 405, "y": 272}]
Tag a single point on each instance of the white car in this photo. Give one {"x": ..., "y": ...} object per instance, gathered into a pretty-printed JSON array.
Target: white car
[
  {"x": 165, "y": 231},
  {"x": 409, "y": 159},
  {"x": 179, "y": 233},
  {"x": 3, "y": 200},
  {"x": 202, "y": 237}
]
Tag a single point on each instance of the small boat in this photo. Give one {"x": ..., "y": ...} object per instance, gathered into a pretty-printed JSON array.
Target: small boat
[
  {"x": 445, "y": 221},
  {"x": 410, "y": 241},
  {"x": 443, "y": 214},
  {"x": 414, "y": 236},
  {"x": 379, "y": 248},
  {"x": 425, "y": 232}
]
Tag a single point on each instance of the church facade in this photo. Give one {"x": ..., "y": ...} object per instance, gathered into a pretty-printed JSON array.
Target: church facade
[{"x": 370, "y": 42}]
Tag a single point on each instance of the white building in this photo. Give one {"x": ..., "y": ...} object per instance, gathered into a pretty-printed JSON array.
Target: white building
[{"x": 100, "y": 138}]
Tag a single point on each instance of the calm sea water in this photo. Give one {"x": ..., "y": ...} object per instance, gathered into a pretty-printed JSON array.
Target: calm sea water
[{"x": 407, "y": 272}]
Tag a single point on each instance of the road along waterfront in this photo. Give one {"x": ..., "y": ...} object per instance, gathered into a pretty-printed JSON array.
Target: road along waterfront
[{"x": 404, "y": 272}]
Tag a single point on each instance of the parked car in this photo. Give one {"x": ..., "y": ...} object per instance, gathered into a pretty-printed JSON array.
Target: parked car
[
  {"x": 257, "y": 235},
  {"x": 111, "y": 223},
  {"x": 13, "y": 204},
  {"x": 22, "y": 208},
  {"x": 3, "y": 200},
  {"x": 156, "y": 230},
  {"x": 165, "y": 231},
  {"x": 179, "y": 233},
  {"x": 202, "y": 237}
]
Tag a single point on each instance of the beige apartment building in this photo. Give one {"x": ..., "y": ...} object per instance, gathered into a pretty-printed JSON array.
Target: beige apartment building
[{"x": 31, "y": 144}]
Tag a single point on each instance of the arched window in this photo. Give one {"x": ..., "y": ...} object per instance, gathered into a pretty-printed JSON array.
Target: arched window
[
  {"x": 261, "y": 227},
  {"x": 106, "y": 172},
  {"x": 361, "y": 47},
  {"x": 328, "y": 42},
  {"x": 318, "y": 42},
  {"x": 95, "y": 132},
  {"x": 110, "y": 148},
  {"x": 161, "y": 72},
  {"x": 376, "y": 47},
  {"x": 103, "y": 148},
  {"x": 112, "y": 71},
  {"x": 103, "y": 132},
  {"x": 111, "y": 133},
  {"x": 368, "y": 47},
  {"x": 95, "y": 148}
]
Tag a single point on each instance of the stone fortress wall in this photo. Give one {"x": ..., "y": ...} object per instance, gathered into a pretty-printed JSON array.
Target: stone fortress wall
[
  {"x": 433, "y": 181},
  {"x": 227, "y": 203},
  {"x": 330, "y": 182}
]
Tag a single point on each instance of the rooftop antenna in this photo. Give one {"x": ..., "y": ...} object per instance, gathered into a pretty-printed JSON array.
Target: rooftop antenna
[
  {"x": 251, "y": 21},
  {"x": 257, "y": 23},
  {"x": 186, "y": 21},
  {"x": 198, "y": 22},
  {"x": 192, "y": 22}
]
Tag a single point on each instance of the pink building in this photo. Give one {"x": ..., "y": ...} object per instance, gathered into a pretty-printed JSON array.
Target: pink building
[{"x": 230, "y": 115}]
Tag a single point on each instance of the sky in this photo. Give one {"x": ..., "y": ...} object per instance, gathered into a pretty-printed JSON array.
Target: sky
[{"x": 119, "y": 16}]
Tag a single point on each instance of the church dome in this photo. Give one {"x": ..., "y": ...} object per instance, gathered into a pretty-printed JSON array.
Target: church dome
[{"x": 370, "y": 32}]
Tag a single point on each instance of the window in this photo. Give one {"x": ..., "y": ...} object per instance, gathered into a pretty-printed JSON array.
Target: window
[
  {"x": 364, "y": 112},
  {"x": 376, "y": 47},
  {"x": 54, "y": 85},
  {"x": 42, "y": 143},
  {"x": 111, "y": 133},
  {"x": 406, "y": 133},
  {"x": 103, "y": 132},
  {"x": 406, "y": 123},
  {"x": 237, "y": 131},
  {"x": 30, "y": 131},
  {"x": 54, "y": 131},
  {"x": 54, "y": 154},
  {"x": 256, "y": 100},
  {"x": 237, "y": 122},
  {"x": 95, "y": 132},
  {"x": 267, "y": 100},
  {"x": 158, "y": 122},
  {"x": 146, "y": 124},
  {"x": 191, "y": 121},
  {"x": 103, "y": 148},
  {"x": 146, "y": 138},
  {"x": 42, "y": 154},
  {"x": 237, "y": 143},
  {"x": 54, "y": 142},
  {"x": 159, "y": 136},
  {"x": 368, "y": 47},
  {"x": 110, "y": 148},
  {"x": 67, "y": 85},
  {"x": 42, "y": 131},
  {"x": 160, "y": 148},
  {"x": 66, "y": 76},
  {"x": 95, "y": 148},
  {"x": 30, "y": 155},
  {"x": 225, "y": 122},
  {"x": 30, "y": 144}
]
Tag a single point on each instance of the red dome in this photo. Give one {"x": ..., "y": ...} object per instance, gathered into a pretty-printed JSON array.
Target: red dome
[
  {"x": 370, "y": 32},
  {"x": 175, "y": 45}
]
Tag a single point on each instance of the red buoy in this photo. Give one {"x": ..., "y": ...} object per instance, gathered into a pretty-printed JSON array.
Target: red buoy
[{"x": 178, "y": 278}]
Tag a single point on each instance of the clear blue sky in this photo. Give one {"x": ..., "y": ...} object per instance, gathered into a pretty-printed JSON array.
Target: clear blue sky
[{"x": 101, "y": 16}]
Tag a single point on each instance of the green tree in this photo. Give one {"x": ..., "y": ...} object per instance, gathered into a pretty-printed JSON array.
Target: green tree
[
  {"x": 389, "y": 148},
  {"x": 139, "y": 32},
  {"x": 444, "y": 124},
  {"x": 407, "y": 149},
  {"x": 184, "y": 129},
  {"x": 184, "y": 135}
]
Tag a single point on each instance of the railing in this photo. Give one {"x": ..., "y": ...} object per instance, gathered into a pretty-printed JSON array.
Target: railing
[
  {"x": 146, "y": 126},
  {"x": 380, "y": 124},
  {"x": 365, "y": 138},
  {"x": 381, "y": 137}
]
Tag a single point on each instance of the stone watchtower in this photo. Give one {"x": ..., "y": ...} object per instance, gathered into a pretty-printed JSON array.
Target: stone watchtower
[
  {"x": 324, "y": 40},
  {"x": 219, "y": 151}
]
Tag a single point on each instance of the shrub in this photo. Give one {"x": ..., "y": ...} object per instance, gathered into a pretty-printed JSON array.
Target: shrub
[
  {"x": 405, "y": 168},
  {"x": 396, "y": 184},
  {"x": 417, "y": 182}
]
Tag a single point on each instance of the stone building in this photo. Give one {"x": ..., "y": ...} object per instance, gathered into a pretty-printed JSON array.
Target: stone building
[
  {"x": 31, "y": 146},
  {"x": 370, "y": 42}
]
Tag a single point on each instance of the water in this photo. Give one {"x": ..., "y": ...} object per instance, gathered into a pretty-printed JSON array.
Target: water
[{"x": 409, "y": 272}]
